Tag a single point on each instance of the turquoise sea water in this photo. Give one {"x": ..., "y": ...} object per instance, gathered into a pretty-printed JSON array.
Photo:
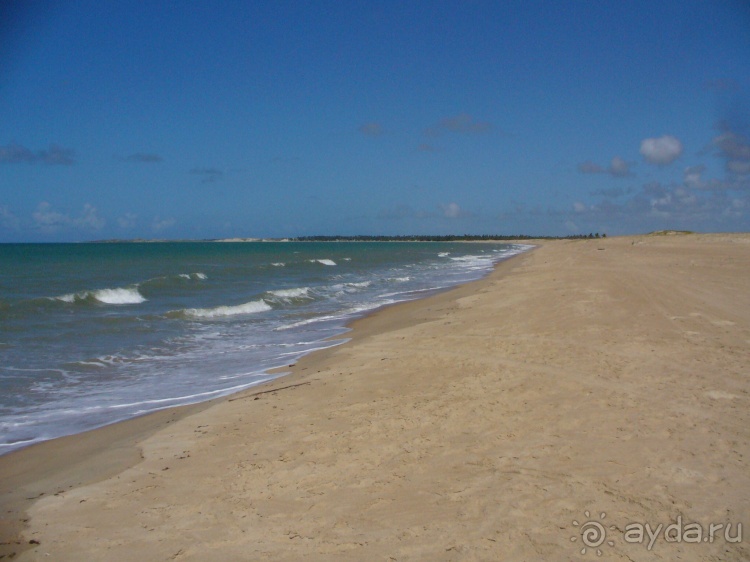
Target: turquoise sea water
[{"x": 91, "y": 334}]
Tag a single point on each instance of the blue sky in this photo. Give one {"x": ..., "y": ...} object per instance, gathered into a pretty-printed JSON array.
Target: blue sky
[{"x": 220, "y": 119}]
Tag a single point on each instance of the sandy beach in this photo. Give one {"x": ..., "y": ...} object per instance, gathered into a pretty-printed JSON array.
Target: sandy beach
[{"x": 586, "y": 382}]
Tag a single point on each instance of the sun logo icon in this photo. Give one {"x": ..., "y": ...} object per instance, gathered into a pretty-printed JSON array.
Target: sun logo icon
[{"x": 592, "y": 534}]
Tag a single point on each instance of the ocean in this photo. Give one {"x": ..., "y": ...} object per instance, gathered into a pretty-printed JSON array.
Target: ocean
[{"x": 95, "y": 333}]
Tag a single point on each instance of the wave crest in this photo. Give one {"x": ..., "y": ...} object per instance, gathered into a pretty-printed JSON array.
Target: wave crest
[
  {"x": 252, "y": 307},
  {"x": 118, "y": 295},
  {"x": 300, "y": 292}
]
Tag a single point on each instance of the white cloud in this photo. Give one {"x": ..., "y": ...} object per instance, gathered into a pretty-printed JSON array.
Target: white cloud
[
  {"x": 127, "y": 220},
  {"x": 579, "y": 207},
  {"x": 49, "y": 220},
  {"x": 452, "y": 210},
  {"x": 159, "y": 224},
  {"x": 693, "y": 176},
  {"x": 735, "y": 149},
  {"x": 90, "y": 219},
  {"x": 662, "y": 150},
  {"x": 693, "y": 179},
  {"x": 617, "y": 168},
  {"x": 371, "y": 129}
]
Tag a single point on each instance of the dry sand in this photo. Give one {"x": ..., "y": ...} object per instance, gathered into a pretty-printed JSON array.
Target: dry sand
[{"x": 608, "y": 376}]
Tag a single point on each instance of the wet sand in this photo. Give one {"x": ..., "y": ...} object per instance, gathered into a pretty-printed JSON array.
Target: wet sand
[{"x": 603, "y": 376}]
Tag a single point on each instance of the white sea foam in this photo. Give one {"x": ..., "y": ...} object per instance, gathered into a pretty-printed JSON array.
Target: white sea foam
[
  {"x": 187, "y": 398},
  {"x": 349, "y": 287},
  {"x": 252, "y": 307},
  {"x": 469, "y": 258},
  {"x": 325, "y": 261},
  {"x": 278, "y": 264},
  {"x": 308, "y": 321},
  {"x": 300, "y": 292},
  {"x": 128, "y": 295},
  {"x": 197, "y": 275},
  {"x": 443, "y": 254}
]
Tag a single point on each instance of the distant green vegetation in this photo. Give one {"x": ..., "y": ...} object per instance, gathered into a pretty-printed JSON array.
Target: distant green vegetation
[
  {"x": 669, "y": 232},
  {"x": 441, "y": 238}
]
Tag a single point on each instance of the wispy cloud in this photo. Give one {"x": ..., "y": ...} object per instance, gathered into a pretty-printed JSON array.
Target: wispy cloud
[
  {"x": 15, "y": 153},
  {"x": 450, "y": 210},
  {"x": 208, "y": 175},
  {"x": 127, "y": 220},
  {"x": 371, "y": 129},
  {"x": 661, "y": 150},
  {"x": 617, "y": 168},
  {"x": 734, "y": 149},
  {"x": 463, "y": 123},
  {"x": 49, "y": 220},
  {"x": 54, "y": 155},
  {"x": 589, "y": 167},
  {"x": 694, "y": 203},
  {"x": 159, "y": 224},
  {"x": 8, "y": 220},
  {"x": 454, "y": 211}
]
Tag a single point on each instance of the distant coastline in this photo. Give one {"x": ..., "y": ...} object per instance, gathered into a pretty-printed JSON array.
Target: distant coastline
[{"x": 363, "y": 238}]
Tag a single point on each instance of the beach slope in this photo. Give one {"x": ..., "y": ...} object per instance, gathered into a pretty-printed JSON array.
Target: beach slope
[{"x": 589, "y": 381}]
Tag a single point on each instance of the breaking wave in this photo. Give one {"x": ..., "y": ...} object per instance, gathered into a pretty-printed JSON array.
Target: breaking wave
[
  {"x": 252, "y": 307},
  {"x": 120, "y": 295}
]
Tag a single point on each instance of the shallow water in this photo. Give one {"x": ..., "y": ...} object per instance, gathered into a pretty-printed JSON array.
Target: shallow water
[{"x": 91, "y": 334}]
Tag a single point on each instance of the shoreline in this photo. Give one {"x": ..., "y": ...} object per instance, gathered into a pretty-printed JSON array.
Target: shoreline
[
  {"x": 477, "y": 423},
  {"x": 337, "y": 318},
  {"x": 96, "y": 454}
]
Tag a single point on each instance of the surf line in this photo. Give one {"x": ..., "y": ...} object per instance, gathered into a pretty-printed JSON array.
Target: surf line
[{"x": 267, "y": 391}]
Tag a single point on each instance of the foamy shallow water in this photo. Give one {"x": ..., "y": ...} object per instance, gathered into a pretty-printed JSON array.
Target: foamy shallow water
[{"x": 91, "y": 334}]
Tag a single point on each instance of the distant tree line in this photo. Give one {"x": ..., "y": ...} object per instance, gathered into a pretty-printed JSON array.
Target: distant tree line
[{"x": 441, "y": 238}]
